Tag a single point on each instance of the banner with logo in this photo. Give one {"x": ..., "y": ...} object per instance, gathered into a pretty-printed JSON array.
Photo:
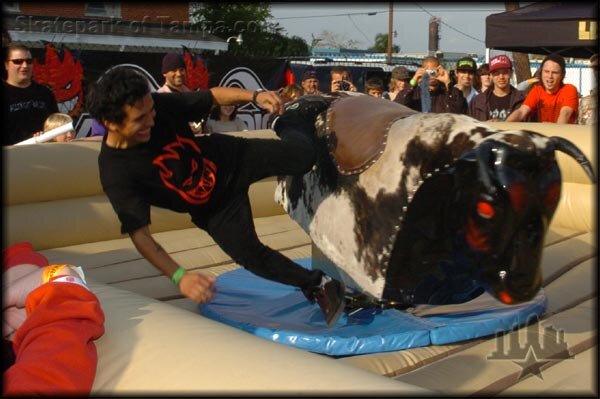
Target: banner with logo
[{"x": 67, "y": 72}]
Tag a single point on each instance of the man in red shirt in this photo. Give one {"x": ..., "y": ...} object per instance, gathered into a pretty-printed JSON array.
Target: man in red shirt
[{"x": 552, "y": 101}]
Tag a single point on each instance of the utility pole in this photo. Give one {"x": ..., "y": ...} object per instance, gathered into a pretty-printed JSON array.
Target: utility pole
[
  {"x": 390, "y": 29},
  {"x": 521, "y": 60}
]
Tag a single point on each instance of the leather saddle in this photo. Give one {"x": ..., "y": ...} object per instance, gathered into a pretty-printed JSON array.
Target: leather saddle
[{"x": 357, "y": 127}]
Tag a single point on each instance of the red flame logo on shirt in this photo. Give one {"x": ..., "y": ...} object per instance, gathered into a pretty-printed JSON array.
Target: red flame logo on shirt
[
  {"x": 196, "y": 72},
  {"x": 63, "y": 75},
  {"x": 184, "y": 170}
]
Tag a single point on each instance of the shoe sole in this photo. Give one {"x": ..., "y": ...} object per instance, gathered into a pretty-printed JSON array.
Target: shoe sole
[{"x": 335, "y": 316}]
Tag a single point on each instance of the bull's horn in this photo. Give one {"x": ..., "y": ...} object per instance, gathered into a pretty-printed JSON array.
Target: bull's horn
[
  {"x": 483, "y": 152},
  {"x": 565, "y": 146}
]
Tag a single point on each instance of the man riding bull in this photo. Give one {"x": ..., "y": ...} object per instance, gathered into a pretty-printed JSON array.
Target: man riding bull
[{"x": 149, "y": 156}]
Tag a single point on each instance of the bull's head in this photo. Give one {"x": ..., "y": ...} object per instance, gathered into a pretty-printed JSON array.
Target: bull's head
[{"x": 508, "y": 210}]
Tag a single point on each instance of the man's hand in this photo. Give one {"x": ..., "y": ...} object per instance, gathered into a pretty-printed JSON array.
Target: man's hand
[
  {"x": 419, "y": 75},
  {"x": 443, "y": 75},
  {"x": 336, "y": 85},
  {"x": 270, "y": 101},
  {"x": 198, "y": 287}
]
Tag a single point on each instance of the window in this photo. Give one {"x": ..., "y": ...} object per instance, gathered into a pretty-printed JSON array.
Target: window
[{"x": 103, "y": 9}]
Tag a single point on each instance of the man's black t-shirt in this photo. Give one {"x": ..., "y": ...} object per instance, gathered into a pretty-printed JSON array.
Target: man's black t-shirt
[
  {"x": 174, "y": 169},
  {"x": 499, "y": 107},
  {"x": 25, "y": 110}
]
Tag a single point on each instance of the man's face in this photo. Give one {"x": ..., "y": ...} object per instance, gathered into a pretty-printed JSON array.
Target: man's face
[
  {"x": 464, "y": 78},
  {"x": 227, "y": 110},
  {"x": 501, "y": 78},
  {"x": 19, "y": 74},
  {"x": 310, "y": 86},
  {"x": 175, "y": 78},
  {"x": 136, "y": 126},
  {"x": 551, "y": 76},
  {"x": 486, "y": 80}
]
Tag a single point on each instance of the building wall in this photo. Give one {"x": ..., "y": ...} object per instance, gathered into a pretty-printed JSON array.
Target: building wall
[{"x": 154, "y": 12}]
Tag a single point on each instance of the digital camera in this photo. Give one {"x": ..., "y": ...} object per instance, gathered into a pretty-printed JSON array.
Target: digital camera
[
  {"x": 432, "y": 72},
  {"x": 344, "y": 85}
]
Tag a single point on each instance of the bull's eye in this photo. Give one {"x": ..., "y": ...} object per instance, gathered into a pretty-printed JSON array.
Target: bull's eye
[
  {"x": 553, "y": 195},
  {"x": 485, "y": 210}
]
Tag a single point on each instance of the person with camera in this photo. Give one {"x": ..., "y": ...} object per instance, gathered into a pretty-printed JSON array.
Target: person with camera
[
  {"x": 440, "y": 96},
  {"x": 341, "y": 80}
]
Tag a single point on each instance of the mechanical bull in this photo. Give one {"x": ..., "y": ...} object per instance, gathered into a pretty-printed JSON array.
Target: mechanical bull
[{"x": 416, "y": 208}]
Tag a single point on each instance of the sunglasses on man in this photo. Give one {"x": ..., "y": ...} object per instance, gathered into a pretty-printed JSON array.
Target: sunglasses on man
[{"x": 19, "y": 61}]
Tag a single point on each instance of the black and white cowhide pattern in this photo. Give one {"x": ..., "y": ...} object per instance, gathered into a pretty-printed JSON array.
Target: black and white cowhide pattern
[{"x": 355, "y": 219}]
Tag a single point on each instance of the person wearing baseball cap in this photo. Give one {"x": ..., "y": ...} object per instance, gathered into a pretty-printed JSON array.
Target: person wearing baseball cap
[
  {"x": 465, "y": 74},
  {"x": 552, "y": 100},
  {"x": 310, "y": 82},
  {"x": 399, "y": 83},
  {"x": 496, "y": 103}
]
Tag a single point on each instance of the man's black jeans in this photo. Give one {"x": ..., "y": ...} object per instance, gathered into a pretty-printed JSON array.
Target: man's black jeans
[{"x": 232, "y": 227}]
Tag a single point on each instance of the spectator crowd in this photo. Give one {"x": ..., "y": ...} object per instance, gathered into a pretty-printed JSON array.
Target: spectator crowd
[{"x": 483, "y": 92}]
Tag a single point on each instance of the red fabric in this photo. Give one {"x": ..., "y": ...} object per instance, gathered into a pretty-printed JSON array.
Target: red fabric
[
  {"x": 55, "y": 352},
  {"x": 289, "y": 76},
  {"x": 21, "y": 253},
  {"x": 547, "y": 106}
]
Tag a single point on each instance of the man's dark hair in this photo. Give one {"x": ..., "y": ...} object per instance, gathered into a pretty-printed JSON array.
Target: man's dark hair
[
  {"x": 116, "y": 88},
  {"x": 14, "y": 46},
  {"x": 374, "y": 83},
  {"x": 342, "y": 70},
  {"x": 560, "y": 60},
  {"x": 430, "y": 58}
]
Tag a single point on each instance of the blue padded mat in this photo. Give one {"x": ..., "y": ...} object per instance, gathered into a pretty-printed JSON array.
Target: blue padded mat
[{"x": 281, "y": 313}]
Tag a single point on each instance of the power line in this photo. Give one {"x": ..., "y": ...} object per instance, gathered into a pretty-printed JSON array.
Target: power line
[
  {"x": 451, "y": 27},
  {"x": 356, "y": 26},
  {"x": 371, "y": 13},
  {"x": 332, "y": 15}
]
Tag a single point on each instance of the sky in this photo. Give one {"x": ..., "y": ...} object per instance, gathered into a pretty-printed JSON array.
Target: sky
[{"x": 462, "y": 27}]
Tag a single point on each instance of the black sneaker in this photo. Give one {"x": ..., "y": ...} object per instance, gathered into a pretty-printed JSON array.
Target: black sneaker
[
  {"x": 302, "y": 111},
  {"x": 330, "y": 296}
]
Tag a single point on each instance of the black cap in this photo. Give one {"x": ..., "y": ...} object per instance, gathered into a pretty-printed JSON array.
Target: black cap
[
  {"x": 466, "y": 64},
  {"x": 171, "y": 62}
]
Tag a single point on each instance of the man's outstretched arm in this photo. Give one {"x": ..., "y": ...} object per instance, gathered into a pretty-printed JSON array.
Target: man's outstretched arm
[
  {"x": 198, "y": 287},
  {"x": 268, "y": 100}
]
